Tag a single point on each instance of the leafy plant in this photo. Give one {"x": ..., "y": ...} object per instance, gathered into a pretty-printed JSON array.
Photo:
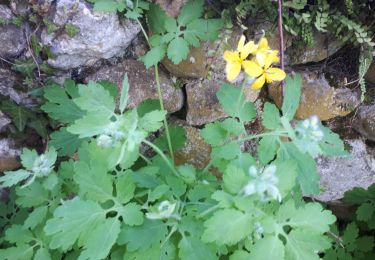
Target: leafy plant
[
  {"x": 173, "y": 37},
  {"x": 114, "y": 201},
  {"x": 71, "y": 30}
]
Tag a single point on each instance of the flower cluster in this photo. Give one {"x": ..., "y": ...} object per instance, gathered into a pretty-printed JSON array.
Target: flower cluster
[
  {"x": 42, "y": 166},
  {"x": 263, "y": 183},
  {"x": 163, "y": 211},
  {"x": 310, "y": 129},
  {"x": 111, "y": 135},
  {"x": 259, "y": 67}
]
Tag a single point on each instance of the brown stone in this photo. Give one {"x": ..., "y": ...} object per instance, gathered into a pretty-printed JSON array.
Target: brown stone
[
  {"x": 319, "y": 98},
  {"x": 370, "y": 75},
  {"x": 195, "y": 66},
  {"x": 171, "y": 7},
  {"x": 196, "y": 151},
  {"x": 364, "y": 121},
  {"x": 142, "y": 84},
  {"x": 322, "y": 48},
  {"x": 9, "y": 155}
]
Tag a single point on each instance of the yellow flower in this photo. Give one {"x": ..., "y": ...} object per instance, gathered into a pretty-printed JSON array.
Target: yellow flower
[
  {"x": 236, "y": 59},
  {"x": 262, "y": 70},
  {"x": 264, "y": 47}
]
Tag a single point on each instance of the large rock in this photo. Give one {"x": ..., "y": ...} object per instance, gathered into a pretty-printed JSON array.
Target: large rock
[
  {"x": 171, "y": 7},
  {"x": 4, "y": 121},
  {"x": 202, "y": 103},
  {"x": 8, "y": 82},
  {"x": 339, "y": 175},
  {"x": 9, "y": 155},
  {"x": 142, "y": 84},
  {"x": 323, "y": 47},
  {"x": 364, "y": 121},
  {"x": 101, "y": 35},
  {"x": 319, "y": 98},
  {"x": 370, "y": 75},
  {"x": 196, "y": 151},
  {"x": 12, "y": 38}
]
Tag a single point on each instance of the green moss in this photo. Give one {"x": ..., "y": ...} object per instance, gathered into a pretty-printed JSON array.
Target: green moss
[{"x": 71, "y": 30}]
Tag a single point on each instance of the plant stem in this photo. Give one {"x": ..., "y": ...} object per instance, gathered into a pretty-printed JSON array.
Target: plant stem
[
  {"x": 157, "y": 79},
  {"x": 279, "y": 133},
  {"x": 165, "y": 119},
  {"x": 280, "y": 25},
  {"x": 162, "y": 155}
]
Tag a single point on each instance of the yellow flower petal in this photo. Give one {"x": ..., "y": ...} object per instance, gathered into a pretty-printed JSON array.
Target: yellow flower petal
[
  {"x": 232, "y": 70},
  {"x": 241, "y": 43},
  {"x": 271, "y": 57},
  {"x": 252, "y": 68},
  {"x": 249, "y": 48},
  {"x": 231, "y": 56},
  {"x": 274, "y": 74},
  {"x": 259, "y": 82},
  {"x": 261, "y": 58},
  {"x": 263, "y": 45}
]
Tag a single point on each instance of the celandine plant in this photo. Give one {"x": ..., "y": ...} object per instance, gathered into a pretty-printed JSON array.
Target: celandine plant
[{"x": 112, "y": 201}]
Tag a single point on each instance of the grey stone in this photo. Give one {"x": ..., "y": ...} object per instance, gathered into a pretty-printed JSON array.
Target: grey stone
[
  {"x": 364, "y": 121},
  {"x": 101, "y": 35},
  {"x": 12, "y": 38},
  {"x": 323, "y": 47},
  {"x": 8, "y": 82},
  {"x": 142, "y": 84},
  {"x": 9, "y": 155},
  {"x": 339, "y": 175},
  {"x": 4, "y": 121}
]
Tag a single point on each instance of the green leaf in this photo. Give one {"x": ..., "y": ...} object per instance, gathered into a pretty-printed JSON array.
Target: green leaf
[
  {"x": 233, "y": 103},
  {"x": 206, "y": 30},
  {"x": 94, "y": 181},
  {"x": 307, "y": 174},
  {"x": 223, "y": 232},
  {"x": 178, "y": 138},
  {"x": 73, "y": 220},
  {"x": 18, "y": 114},
  {"x": 214, "y": 134},
  {"x": 178, "y": 50},
  {"x": 90, "y": 125},
  {"x": 228, "y": 151},
  {"x": 109, "y": 6},
  {"x": 28, "y": 158},
  {"x": 156, "y": 18},
  {"x": 154, "y": 55},
  {"x": 267, "y": 248},
  {"x": 125, "y": 188},
  {"x": 292, "y": 96},
  {"x": 42, "y": 254},
  {"x": 271, "y": 116},
  {"x": 234, "y": 179},
  {"x": 12, "y": 178},
  {"x": 124, "y": 93},
  {"x": 36, "y": 217},
  {"x": 194, "y": 248},
  {"x": 188, "y": 173},
  {"x": 142, "y": 237},
  {"x": 95, "y": 98},
  {"x": 21, "y": 251},
  {"x": 65, "y": 142},
  {"x": 170, "y": 25},
  {"x": 31, "y": 196},
  {"x": 365, "y": 211},
  {"x": 131, "y": 214},
  {"x": 40, "y": 125},
  {"x": 286, "y": 171},
  {"x": 101, "y": 240},
  {"x": 18, "y": 235},
  {"x": 302, "y": 246},
  {"x": 60, "y": 106},
  {"x": 267, "y": 149},
  {"x": 191, "y": 11},
  {"x": 152, "y": 121},
  {"x": 240, "y": 255}
]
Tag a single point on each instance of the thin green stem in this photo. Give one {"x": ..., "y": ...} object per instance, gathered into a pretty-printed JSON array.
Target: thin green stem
[
  {"x": 157, "y": 79},
  {"x": 145, "y": 159},
  {"x": 162, "y": 155},
  {"x": 208, "y": 211},
  {"x": 275, "y": 133},
  {"x": 165, "y": 119}
]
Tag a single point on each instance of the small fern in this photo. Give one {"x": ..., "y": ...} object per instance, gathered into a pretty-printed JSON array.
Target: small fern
[{"x": 365, "y": 59}]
